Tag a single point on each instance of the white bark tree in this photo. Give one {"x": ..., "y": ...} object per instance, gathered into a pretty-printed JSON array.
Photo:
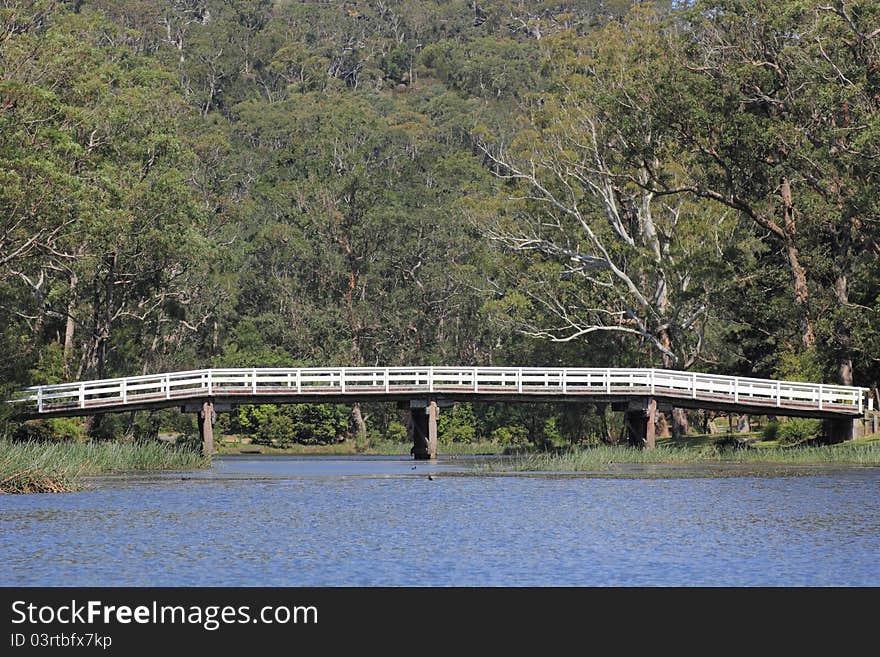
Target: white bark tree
[{"x": 608, "y": 254}]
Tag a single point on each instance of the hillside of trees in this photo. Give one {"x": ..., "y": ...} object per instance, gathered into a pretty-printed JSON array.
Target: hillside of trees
[{"x": 195, "y": 183}]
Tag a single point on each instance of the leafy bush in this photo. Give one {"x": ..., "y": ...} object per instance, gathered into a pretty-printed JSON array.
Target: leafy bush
[
  {"x": 511, "y": 436},
  {"x": 770, "y": 431},
  {"x": 278, "y": 429},
  {"x": 66, "y": 428},
  {"x": 800, "y": 365},
  {"x": 33, "y": 431},
  {"x": 51, "y": 430},
  {"x": 552, "y": 433},
  {"x": 396, "y": 432},
  {"x": 457, "y": 424},
  {"x": 308, "y": 424},
  {"x": 797, "y": 430}
]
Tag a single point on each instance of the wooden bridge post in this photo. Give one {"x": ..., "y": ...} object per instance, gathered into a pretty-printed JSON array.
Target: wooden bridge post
[
  {"x": 206, "y": 427},
  {"x": 639, "y": 420},
  {"x": 424, "y": 429}
]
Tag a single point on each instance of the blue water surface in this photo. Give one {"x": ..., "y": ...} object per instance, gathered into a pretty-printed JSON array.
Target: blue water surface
[{"x": 380, "y": 521}]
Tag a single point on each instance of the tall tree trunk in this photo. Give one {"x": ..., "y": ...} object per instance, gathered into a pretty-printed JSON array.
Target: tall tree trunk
[
  {"x": 662, "y": 430},
  {"x": 679, "y": 418},
  {"x": 841, "y": 292},
  {"x": 798, "y": 273},
  {"x": 679, "y": 423},
  {"x": 844, "y": 337},
  {"x": 70, "y": 325},
  {"x": 105, "y": 319},
  {"x": 608, "y": 436},
  {"x": 360, "y": 426}
]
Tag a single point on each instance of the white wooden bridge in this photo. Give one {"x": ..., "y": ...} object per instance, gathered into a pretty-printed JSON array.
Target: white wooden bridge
[{"x": 636, "y": 389}]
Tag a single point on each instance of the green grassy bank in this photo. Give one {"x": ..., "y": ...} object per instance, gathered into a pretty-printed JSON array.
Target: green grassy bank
[
  {"x": 699, "y": 450},
  {"x": 33, "y": 467},
  {"x": 47, "y": 467}
]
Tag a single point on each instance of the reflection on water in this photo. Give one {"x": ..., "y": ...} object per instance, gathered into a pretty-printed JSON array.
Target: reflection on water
[{"x": 380, "y": 521}]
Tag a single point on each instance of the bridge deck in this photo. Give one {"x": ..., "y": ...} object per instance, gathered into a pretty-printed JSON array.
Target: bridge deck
[{"x": 294, "y": 385}]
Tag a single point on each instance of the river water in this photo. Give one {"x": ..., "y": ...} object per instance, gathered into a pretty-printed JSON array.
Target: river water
[{"x": 381, "y": 521}]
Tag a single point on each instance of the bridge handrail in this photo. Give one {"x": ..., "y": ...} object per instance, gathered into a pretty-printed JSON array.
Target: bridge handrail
[{"x": 438, "y": 379}]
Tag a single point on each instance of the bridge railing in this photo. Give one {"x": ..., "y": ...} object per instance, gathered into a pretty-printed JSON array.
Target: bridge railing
[{"x": 314, "y": 382}]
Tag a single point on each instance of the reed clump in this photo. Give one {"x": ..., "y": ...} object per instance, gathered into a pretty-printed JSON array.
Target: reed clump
[
  {"x": 599, "y": 457},
  {"x": 32, "y": 480},
  {"x": 53, "y": 467}
]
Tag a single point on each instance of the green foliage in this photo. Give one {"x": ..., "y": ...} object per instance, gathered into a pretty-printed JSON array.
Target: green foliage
[
  {"x": 457, "y": 424},
  {"x": 32, "y": 431},
  {"x": 396, "y": 432},
  {"x": 308, "y": 424},
  {"x": 511, "y": 436},
  {"x": 801, "y": 365},
  {"x": 797, "y": 430},
  {"x": 276, "y": 429},
  {"x": 770, "y": 431},
  {"x": 50, "y": 365},
  {"x": 67, "y": 428},
  {"x": 552, "y": 433},
  {"x": 51, "y": 430},
  {"x": 236, "y": 184}
]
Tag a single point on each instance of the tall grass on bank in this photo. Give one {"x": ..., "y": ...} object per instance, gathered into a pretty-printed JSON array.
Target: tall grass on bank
[
  {"x": 39, "y": 467},
  {"x": 600, "y": 457}
]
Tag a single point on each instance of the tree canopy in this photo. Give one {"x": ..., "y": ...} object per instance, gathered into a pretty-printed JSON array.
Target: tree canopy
[{"x": 277, "y": 183}]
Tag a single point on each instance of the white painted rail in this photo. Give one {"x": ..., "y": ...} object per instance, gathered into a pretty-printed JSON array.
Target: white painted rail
[{"x": 362, "y": 382}]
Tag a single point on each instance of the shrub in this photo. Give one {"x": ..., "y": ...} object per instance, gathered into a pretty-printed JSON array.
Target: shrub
[
  {"x": 32, "y": 431},
  {"x": 731, "y": 442},
  {"x": 396, "y": 432},
  {"x": 277, "y": 429},
  {"x": 66, "y": 428},
  {"x": 308, "y": 424},
  {"x": 511, "y": 436},
  {"x": 552, "y": 433},
  {"x": 797, "y": 430},
  {"x": 457, "y": 424},
  {"x": 770, "y": 431}
]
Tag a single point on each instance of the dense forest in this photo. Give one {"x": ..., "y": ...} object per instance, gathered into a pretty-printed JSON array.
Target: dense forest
[{"x": 193, "y": 183}]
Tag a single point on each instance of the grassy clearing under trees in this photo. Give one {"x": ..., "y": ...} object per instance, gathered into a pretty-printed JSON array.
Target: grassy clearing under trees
[{"x": 59, "y": 467}]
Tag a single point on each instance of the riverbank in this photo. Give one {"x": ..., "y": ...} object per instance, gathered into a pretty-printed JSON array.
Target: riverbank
[
  {"x": 696, "y": 449},
  {"x": 60, "y": 467},
  {"x": 352, "y": 448},
  {"x": 861, "y": 452}
]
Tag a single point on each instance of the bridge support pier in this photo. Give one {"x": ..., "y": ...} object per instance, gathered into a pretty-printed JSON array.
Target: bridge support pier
[
  {"x": 206, "y": 427},
  {"x": 639, "y": 419},
  {"x": 424, "y": 429}
]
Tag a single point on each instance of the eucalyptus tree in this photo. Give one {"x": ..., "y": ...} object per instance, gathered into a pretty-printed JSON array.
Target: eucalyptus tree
[
  {"x": 97, "y": 180},
  {"x": 610, "y": 255},
  {"x": 775, "y": 110}
]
